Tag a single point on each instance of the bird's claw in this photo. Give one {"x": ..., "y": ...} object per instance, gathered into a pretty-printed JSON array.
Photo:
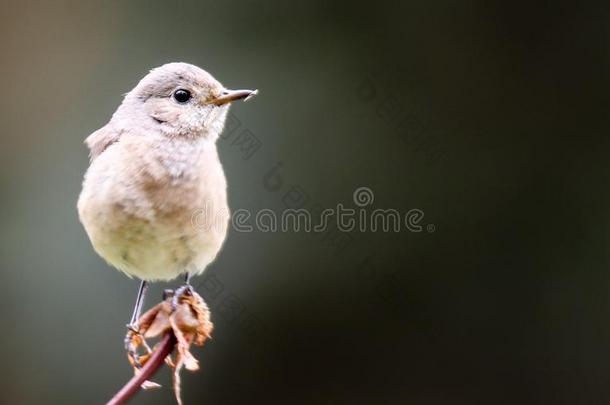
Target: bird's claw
[{"x": 183, "y": 291}]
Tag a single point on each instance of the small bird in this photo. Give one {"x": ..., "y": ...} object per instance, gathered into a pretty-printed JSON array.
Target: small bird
[{"x": 152, "y": 166}]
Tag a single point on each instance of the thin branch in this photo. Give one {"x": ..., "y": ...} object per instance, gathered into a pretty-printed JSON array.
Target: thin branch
[{"x": 165, "y": 347}]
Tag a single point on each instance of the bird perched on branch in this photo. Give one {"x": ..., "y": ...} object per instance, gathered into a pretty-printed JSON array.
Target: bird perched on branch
[{"x": 152, "y": 167}]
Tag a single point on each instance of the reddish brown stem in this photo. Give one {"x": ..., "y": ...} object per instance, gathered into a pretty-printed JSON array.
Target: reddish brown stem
[{"x": 165, "y": 347}]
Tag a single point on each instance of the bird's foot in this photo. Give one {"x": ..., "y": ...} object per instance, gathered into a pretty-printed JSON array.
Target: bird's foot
[
  {"x": 132, "y": 339},
  {"x": 132, "y": 353},
  {"x": 185, "y": 290}
]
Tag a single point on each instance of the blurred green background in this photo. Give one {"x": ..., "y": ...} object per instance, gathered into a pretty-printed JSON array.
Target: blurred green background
[{"x": 488, "y": 116}]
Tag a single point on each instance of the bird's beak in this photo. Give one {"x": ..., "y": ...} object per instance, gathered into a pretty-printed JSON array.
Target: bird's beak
[{"x": 228, "y": 96}]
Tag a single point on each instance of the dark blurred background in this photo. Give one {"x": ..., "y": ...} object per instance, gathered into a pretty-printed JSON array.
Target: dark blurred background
[{"x": 490, "y": 117}]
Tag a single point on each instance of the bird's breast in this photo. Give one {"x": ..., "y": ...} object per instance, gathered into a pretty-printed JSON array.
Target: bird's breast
[{"x": 158, "y": 212}]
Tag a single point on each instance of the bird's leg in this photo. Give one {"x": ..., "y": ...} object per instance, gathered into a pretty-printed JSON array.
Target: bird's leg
[
  {"x": 187, "y": 278},
  {"x": 132, "y": 326},
  {"x": 137, "y": 310}
]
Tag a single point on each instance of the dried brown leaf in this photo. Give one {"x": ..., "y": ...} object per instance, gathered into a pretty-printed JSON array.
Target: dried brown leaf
[{"x": 188, "y": 317}]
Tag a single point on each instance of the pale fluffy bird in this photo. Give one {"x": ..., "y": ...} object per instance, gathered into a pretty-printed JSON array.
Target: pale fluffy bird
[{"x": 152, "y": 167}]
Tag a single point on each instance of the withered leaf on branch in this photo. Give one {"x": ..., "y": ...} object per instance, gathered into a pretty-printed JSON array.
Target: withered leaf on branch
[{"x": 184, "y": 314}]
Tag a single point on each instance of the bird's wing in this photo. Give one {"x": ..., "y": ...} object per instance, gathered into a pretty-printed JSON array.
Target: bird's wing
[{"x": 101, "y": 139}]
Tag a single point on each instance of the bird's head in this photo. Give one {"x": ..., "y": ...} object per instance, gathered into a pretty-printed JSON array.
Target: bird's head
[{"x": 181, "y": 100}]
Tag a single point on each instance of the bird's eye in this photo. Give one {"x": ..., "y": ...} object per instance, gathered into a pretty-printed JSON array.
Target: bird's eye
[{"x": 182, "y": 96}]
